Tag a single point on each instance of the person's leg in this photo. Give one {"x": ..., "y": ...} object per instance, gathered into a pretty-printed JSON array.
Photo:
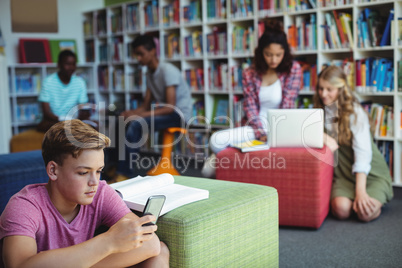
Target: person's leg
[
  {"x": 341, "y": 207},
  {"x": 162, "y": 260},
  {"x": 222, "y": 139},
  {"x": 373, "y": 214},
  {"x": 137, "y": 135}
]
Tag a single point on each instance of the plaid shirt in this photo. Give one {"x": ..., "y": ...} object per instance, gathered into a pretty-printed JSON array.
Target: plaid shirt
[{"x": 290, "y": 84}]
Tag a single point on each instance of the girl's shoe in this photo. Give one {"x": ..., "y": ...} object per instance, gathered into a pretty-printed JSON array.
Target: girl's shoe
[{"x": 209, "y": 167}]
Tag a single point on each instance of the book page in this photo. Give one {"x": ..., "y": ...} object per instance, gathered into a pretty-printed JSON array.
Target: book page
[
  {"x": 139, "y": 185},
  {"x": 253, "y": 145},
  {"x": 176, "y": 196}
]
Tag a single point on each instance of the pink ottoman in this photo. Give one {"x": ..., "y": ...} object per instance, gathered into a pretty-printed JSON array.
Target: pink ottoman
[{"x": 302, "y": 177}]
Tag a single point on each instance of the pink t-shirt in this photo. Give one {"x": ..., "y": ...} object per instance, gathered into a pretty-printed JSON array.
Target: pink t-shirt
[{"x": 31, "y": 213}]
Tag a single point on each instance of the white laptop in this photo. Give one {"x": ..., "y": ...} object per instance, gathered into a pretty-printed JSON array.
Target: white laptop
[{"x": 296, "y": 128}]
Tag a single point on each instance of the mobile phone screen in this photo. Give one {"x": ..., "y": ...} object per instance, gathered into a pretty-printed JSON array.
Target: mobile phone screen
[{"x": 154, "y": 206}]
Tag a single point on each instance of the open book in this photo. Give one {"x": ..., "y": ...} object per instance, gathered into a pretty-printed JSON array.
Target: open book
[
  {"x": 251, "y": 146},
  {"x": 135, "y": 192}
]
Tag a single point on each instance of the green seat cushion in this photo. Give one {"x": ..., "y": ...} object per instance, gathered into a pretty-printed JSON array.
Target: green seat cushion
[{"x": 236, "y": 227}]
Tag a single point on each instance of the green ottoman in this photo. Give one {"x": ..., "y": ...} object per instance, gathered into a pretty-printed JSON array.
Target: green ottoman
[{"x": 236, "y": 227}]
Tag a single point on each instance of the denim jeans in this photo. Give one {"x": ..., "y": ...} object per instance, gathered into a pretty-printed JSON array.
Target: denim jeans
[{"x": 136, "y": 138}]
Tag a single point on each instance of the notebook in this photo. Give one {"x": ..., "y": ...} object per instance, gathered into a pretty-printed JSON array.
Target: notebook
[{"x": 296, "y": 128}]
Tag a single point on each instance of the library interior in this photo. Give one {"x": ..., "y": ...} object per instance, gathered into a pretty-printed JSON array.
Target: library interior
[{"x": 206, "y": 61}]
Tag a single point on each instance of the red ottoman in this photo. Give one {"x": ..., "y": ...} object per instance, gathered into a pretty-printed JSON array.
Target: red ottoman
[{"x": 302, "y": 177}]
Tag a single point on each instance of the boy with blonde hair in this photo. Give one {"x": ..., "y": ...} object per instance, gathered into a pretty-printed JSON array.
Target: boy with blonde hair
[{"x": 52, "y": 224}]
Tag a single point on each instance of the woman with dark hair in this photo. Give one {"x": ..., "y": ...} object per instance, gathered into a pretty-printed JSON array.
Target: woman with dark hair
[
  {"x": 362, "y": 181},
  {"x": 272, "y": 82}
]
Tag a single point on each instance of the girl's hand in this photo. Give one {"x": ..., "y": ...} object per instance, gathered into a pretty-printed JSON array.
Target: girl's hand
[
  {"x": 364, "y": 204},
  {"x": 263, "y": 138},
  {"x": 330, "y": 142}
]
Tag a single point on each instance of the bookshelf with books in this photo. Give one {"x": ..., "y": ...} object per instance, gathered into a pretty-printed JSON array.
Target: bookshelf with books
[{"x": 212, "y": 41}]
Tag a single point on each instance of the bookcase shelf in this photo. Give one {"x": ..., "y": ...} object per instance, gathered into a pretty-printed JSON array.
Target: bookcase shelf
[{"x": 213, "y": 72}]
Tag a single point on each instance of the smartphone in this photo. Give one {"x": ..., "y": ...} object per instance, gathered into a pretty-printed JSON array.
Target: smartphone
[{"x": 154, "y": 206}]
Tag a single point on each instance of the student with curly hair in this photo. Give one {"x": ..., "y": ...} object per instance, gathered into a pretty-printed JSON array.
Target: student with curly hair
[
  {"x": 362, "y": 182},
  {"x": 272, "y": 82}
]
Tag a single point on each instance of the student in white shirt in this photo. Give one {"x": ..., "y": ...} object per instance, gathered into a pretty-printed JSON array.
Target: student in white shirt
[{"x": 362, "y": 181}]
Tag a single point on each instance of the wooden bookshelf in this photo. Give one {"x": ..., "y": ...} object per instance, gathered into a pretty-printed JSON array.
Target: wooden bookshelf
[{"x": 213, "y": 63}]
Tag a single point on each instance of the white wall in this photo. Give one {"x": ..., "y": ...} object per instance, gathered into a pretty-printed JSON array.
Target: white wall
[
  {"x": 70, "y": 26},
  {"x": 5, "y": 118}
]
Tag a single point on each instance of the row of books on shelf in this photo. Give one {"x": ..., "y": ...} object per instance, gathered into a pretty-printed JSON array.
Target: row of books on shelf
[
  {"x": 217, "y": 42},
  {"x": 195, "y": 79},
  {"x": 382, "y": 117},
  {"x": 373, "y": 29},
  {"x": 218, "y": 76},
  {"x": 243, "y": 40},
  {"x": 386, "y": 148},
  {"x": 193, "y": 44},
  {"x": 216, "y": 9},
  {"x": 303, "y": 34},
  {"x": 103, "y": 78},
  {"x": 237, "y": 75},
  {"x": 118, "y": 80},
  {"x": 198, "y": 111},
  {"x": 133, "y": 17},
  {"x": 136, "y": 78},
  {"x": 374, "y": 75},
  {"x": 400, "y": 75},
  {"x": 192, "y": 12},
  {"x": 116, "y": 22},
  {"x": 309, "y": 72},
  {"x": 238, "y": 112},
  {"x": 299, "y": 5},
  {"x": 101, "y": 24},
  {"x": 27, "y": 83},
  {"x": 116, "y": 50},
  {"x": 103, "y": 53},
  {"x": 337, "y": 30},
  {"x": 88, "y": 28},
  {"x": 169, "y": 16},
  {"x": 151, "y": 14},
  {"x": 241, "y": 8},
  {"x": 269, "y": 7},
  {"x": 28, "y": 112},
  {"x": 172, "y": 45},
  {"x": 89, "y": 51}
]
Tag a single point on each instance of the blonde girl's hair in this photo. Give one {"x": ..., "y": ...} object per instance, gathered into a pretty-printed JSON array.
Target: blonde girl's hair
[
  {"x": 345, "y": 102},
  {"x": 71, "y": 137}
]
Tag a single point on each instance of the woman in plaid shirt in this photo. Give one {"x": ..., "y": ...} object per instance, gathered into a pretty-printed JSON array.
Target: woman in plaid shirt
[{"x": 272, "y": 82}]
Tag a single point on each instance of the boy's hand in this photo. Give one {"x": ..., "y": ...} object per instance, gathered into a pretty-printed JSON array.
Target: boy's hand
[{"x": 128, "y": 233}]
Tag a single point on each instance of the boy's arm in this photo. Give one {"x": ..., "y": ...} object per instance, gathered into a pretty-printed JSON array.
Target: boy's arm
[
  {"x": 126, "y": 236},
  {"x": 164, "y": 109},
  {"x": 145, "y": 111},
  {"x": 145, "y": 105},
  {"x": 47, "y": 112}
]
